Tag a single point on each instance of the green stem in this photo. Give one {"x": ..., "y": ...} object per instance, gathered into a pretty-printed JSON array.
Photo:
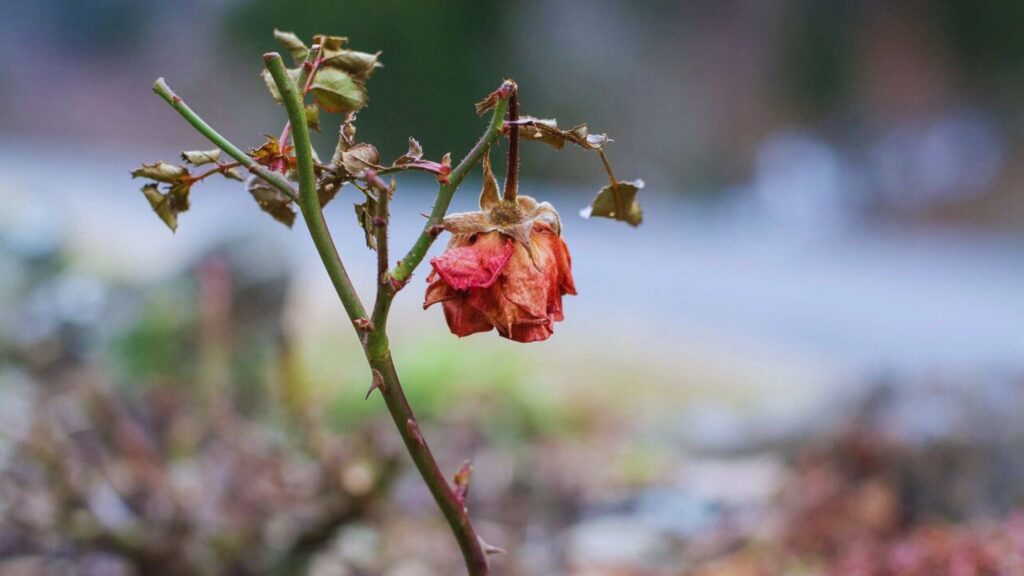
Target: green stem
[
  {"x": 403, "y": 271},
  {"x": 309, "y": 202},
  {"x": 381, "y": 364},
  {"x": 306, "y": 75},
  {"x": 273, "y": 178}
]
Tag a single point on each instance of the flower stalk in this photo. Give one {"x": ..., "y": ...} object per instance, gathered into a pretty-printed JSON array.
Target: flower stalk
[{"x": 512, "y": 171}]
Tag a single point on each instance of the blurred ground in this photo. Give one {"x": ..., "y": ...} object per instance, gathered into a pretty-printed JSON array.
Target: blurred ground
[{"x": 808, "y": 360}]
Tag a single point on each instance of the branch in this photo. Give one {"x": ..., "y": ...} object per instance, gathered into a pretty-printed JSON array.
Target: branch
[
  {"x": 309, "y": 202},
  {"x": 405, "y": 268},
  {"x": 273, "y": 178},
  {"x": 512, "y": 171}
]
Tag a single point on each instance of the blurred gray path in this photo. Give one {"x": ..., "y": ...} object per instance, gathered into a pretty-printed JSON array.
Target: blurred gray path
[{"x": 860, "y": 300}]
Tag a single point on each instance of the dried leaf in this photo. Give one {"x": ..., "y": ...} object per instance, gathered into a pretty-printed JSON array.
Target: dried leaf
[
  {"x": 233, "y": 174},
  {"x": 271, "y": 155},
  {"x": 161, "y": 172},
  {"x": 547, "y": 131},
  {"x": 617, "y": 201},
  {"x": 358, "y": 158},
  {"x": 414, "y": 154},
  {"x": 330, "y": 46},
  {"x": 169, "y": 204},
  {"x": 326, "y": 191},
  {"x": 360, "y": 65},
  {"x": 364, "y": 214},
  {"x": 468, "y": 223},
  {"x": 338, "y": 91},
  {"x": 296, "y": 47},
  {"x": 200, "y": 157},
  {"x": 271, "y": 200}
]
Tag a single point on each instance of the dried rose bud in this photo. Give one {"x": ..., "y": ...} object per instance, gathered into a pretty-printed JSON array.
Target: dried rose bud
[{"x": 506, "y": 267}]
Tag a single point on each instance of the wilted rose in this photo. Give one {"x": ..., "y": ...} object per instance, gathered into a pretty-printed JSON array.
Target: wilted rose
[{"x": 506, "y": 267}]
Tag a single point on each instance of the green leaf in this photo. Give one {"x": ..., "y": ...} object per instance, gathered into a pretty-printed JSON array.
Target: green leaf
[
  {"x": 313, "y": 116},
  {"x": 297, "y": 48},
  {"x": 200, "y": 157},
  {"x": 293, "y": 73},
  {"x": 161, "y": 172},
  {"x": 618, "y": 202},
  {"x": 337, "y": 91},
  {"x": 364, "y": 215},
  {"x": 271, "y": 200},
  {"x": 169, "y": 204}
]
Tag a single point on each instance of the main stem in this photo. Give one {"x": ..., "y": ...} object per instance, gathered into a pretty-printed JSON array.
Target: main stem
[
  {"x": 376, "y": 346},
  {"x": 309, "y": 202}
]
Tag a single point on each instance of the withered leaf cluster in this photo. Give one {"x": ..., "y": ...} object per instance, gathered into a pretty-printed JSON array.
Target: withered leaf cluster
[
  {"x": 617, "y": 200},
  {"x": 338, "y": 84}
]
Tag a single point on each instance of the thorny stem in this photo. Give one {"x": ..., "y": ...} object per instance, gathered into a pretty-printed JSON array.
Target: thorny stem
[
  {"x": 512, "y": 171},
  {"x": 274, "y": 179},
  {"x": 376, "y": 346},
  {"x": 309, "y": 202},
  {"x": 403, "y": 271}
]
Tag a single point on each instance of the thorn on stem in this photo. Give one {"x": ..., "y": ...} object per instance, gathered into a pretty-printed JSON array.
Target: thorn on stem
[
  {"x": 490, "y": 548},
  {"x": 377, "y": 384}
]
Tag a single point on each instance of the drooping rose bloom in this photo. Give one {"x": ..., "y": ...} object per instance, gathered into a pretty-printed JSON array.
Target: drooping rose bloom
[{"x": 506, "y": 267}]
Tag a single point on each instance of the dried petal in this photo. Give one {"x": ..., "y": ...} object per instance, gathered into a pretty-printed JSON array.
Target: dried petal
[
  {"x": 487, "y": 280},
  {"x": 477, "y": 263}
]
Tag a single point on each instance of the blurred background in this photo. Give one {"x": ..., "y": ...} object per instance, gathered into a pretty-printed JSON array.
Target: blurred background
[{"x": 808, "y": 360}]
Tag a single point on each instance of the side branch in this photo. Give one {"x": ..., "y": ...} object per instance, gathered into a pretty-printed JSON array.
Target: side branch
[
  {"x": 405, "y": 268},
  {"x": 273, "y": 178}
]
